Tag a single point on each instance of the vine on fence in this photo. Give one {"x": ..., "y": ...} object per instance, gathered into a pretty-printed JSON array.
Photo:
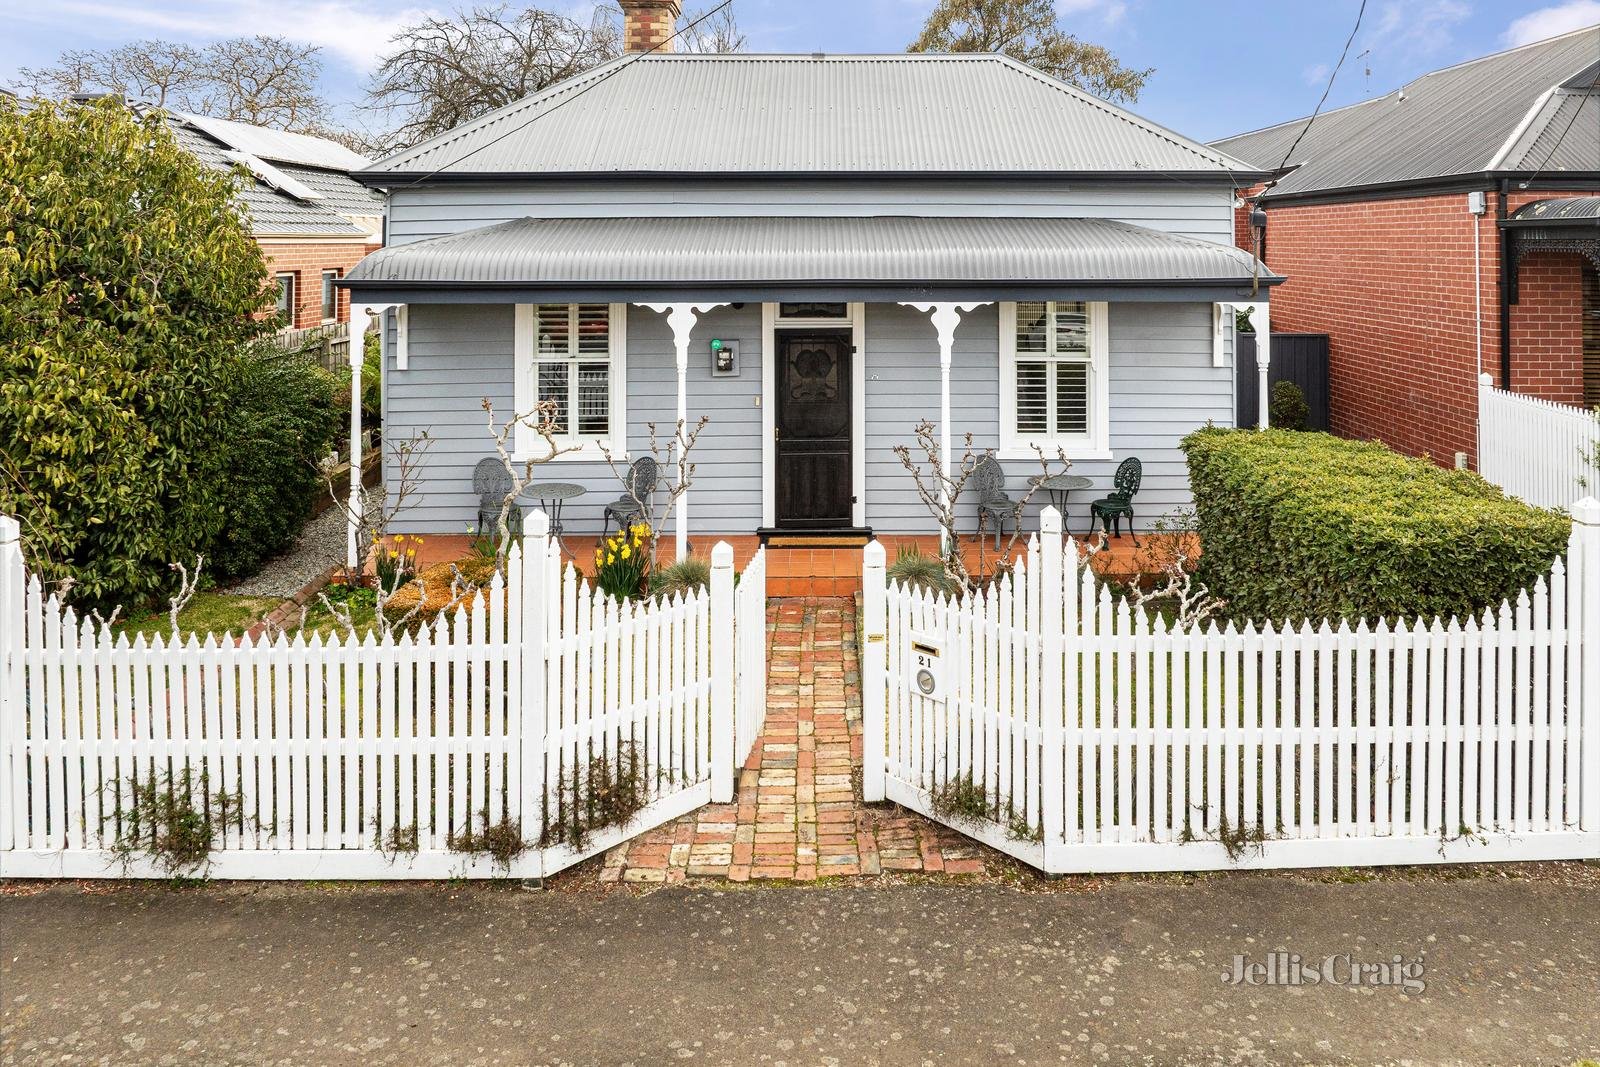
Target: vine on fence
[
  {"x": 605, "y": 791},
  {"x": 174, "y": 821}
]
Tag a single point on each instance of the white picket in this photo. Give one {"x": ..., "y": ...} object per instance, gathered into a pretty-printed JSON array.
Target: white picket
[{"x": 1407, "y": 740}]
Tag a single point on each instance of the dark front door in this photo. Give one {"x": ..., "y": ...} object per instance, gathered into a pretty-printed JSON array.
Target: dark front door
[{"x": 813, "y": 426}]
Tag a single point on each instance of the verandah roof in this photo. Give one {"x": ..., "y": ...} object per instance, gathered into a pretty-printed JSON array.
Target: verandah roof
[{"x": 753, "y": 258}]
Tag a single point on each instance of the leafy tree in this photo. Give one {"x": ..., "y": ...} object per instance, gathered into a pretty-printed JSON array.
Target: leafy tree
[
  {"x": 449, "y": 69},
  {"x": 1029, "y": 30},
  {"x": 283, "y": 417},
  {"x": 131, "y": 281},
  {"x": 262, "y": 80}
]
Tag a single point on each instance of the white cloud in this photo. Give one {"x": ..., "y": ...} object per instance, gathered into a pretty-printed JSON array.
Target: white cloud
[
  {"x": 352, "y": 32},
  {"x": 1552, "y": 21},
  {"x": 1316, "y": 74},
  {"x": 1418, "y": 28}
]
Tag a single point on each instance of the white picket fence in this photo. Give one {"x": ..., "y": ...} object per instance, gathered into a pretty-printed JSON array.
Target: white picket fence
[
  {"x": 750, "y": 657},
  {"x": 335, "y": 750},
  {"x": 1548, "y": 454},
  {"x": 1080, "y": 733}
]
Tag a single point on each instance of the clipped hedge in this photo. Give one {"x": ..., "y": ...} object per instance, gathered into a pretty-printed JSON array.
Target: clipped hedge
[{"x": 1307, "y": 525}]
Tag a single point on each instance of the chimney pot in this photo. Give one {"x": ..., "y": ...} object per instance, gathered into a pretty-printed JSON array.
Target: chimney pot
[{"x": 648, "y": 25}]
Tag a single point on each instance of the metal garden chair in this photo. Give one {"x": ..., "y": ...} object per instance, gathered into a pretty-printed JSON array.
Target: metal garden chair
[
  {"x": 1110, "y": 509},
  {"x": 989, "y": 482},
  {"x": 634, "y": 503}
]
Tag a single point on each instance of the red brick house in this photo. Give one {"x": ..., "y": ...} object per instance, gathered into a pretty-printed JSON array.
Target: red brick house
[
  {"x": 1439, "y": 231},
  {"x": 313, "y": 221}
]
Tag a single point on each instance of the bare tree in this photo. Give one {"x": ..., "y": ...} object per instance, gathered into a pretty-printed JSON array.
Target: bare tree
[
  {"x": 446, "y": 70},
  {"x": 262, "y": 80},
  {"x": 1029, "y": 30},
  {"x": 542, "y": 420},
  {"x": 163, "y": 73},
  {"x": 188, "y": 586},
  {"x": 719, "y": 33},
  {"x": 674, "y": 474},
  {"x": 265, "y": 81},
  {"x": 940, "y": 492}
]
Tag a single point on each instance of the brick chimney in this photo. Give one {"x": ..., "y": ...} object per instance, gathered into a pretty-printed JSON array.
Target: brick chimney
[{"x": 649, "y": 24}]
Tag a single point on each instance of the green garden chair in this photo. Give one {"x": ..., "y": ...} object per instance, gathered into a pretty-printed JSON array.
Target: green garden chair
[{"x": 1110, "y": 509}]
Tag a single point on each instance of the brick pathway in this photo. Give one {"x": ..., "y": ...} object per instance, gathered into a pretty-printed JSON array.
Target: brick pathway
[{"x": 798, "y": 812}]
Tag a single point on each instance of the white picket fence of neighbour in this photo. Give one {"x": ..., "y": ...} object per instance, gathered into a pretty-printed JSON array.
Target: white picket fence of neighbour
[
  {"x": 493, "y": 713},
  {"x": 1098, "y": 739},
  {"x": 1546, "y": 453}
]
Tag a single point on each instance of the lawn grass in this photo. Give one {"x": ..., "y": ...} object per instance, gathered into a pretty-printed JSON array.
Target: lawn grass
[
  {"x": 206, "y": 613},
  {"x": 361, "y": 602}
]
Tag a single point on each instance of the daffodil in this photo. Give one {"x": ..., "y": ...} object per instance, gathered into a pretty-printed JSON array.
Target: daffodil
[
  {"x": 611, "y": 558},
  {"x": 626, "y": 552}
]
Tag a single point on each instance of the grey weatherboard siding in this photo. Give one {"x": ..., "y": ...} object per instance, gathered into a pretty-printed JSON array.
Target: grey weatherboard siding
[{"x": 1162, "y": 385}]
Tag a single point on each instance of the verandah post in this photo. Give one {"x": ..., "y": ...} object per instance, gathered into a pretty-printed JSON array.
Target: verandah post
[
  {"x": 874, "y": 691},
  {"x": 723, "y": 659},
  {"x": 1584, "y": 585},
  {"x": 1054, "y": 701},
  {"x": 532, "y": 717}
]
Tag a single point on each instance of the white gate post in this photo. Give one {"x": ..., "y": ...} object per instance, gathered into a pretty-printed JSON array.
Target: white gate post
[
  {"x": 874, "y": 687},
  {"x": 532, "y": 717},
  {"x": 1586, "y": 584},
  {"x": 1054, "y": 701},
  {"x": 12, "y": 583},
  {"x": 723, "y": 659}
]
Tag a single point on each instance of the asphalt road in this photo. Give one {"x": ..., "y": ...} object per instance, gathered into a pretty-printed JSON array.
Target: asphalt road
[{"x": 1121, "y": 973}]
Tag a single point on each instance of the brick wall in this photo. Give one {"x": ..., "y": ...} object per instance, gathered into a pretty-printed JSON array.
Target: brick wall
[
  {"x": 1391, "y": 283},
  {"x": 1547, "y": 328},
  {"x": 306, "y": 261}
]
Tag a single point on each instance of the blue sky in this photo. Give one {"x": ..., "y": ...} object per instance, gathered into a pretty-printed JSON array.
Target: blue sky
[{"x": 1220, "y": 67}]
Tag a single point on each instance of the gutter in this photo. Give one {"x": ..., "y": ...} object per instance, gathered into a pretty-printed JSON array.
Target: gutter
[
  {"x": 393, "y": 179},
  {"x": 1504, "y": 286}
]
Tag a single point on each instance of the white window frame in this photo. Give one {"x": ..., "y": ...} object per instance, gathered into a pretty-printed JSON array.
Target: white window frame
[
  {"x": 527, "y": 443},
  {"x": 329, "y": 276},
  {"x": 293, "y": 278},
  {"x": 1096, "y": 444}
]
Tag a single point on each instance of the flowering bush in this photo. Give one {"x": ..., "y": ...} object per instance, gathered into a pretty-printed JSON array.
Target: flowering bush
[
  {"x": 621, "y": 560},
  {"x": 396, "y": 563}
]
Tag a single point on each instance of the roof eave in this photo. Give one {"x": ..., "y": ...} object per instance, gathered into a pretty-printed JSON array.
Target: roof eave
[
  {"x": 392, "y": 179},
  {"x": 1440, "y": 183}
]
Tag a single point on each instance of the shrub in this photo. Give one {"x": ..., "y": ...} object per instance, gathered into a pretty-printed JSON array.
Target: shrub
[
  {"x": 1287, "y": 408},
  {"x": 131, "y": 282},
  {"x": 1306, "y": 525},
  {"x": 687, "y": 577},
  {"x": 282, "y": 419},
  {"x": 917, "y": 570}
]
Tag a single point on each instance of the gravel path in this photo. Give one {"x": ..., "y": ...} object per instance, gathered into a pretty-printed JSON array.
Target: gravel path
[{"x": 319, "y": 546}]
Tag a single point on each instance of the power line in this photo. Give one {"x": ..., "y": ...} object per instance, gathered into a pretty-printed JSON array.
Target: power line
[
  {"x": 626, "y": 62},
  {"x": 1329, "y": 87},
  {"x": 1548, "y": 156}
]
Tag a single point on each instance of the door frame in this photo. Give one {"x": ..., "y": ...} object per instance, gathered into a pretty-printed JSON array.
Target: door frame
[{"x": 856, "y": 322}]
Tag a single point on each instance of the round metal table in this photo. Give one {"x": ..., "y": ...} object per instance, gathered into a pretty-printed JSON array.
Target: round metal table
[
  {"x": 551, "y": 495},
  {"x": 1060, "y": 487}
]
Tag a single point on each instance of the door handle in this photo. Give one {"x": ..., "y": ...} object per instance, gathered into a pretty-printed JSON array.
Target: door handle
[{"x": 776, "y": 433}]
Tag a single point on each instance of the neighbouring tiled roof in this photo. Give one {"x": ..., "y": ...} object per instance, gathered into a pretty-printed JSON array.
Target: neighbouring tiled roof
[
  {"x": 1503, "y": 113},
  {"x": 775, "y": 114}
]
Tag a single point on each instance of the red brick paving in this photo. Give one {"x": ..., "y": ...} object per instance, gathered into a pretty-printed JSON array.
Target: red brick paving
[{"x": 798, "y": 812}]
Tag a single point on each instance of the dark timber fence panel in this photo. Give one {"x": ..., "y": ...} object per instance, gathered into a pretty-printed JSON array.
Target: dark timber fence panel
[{"x": 1301, "y": 358}]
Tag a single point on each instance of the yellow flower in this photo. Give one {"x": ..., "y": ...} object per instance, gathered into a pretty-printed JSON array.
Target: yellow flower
[
  {"x": 626, "y": 551},
  {"x": 611, "y": 559}
]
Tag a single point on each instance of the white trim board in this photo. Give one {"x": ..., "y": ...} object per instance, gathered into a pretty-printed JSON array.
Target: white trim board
[
  {"x": 525, "y": 388},
  {"x": 856, "y": 320}
]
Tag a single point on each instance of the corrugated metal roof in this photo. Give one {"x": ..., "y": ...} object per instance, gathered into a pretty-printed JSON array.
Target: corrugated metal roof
[
  {"x": 807, "y": 114},
  {"x": 756, "y": 250},
  {"x": 279, "y": 145},
  {"x": 1560, "y": 209},
  {"x": 1448, "y": 122},
  {"x": 1564, "y": 136}
]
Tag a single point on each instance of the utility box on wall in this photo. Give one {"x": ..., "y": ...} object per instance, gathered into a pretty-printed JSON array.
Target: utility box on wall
[{"x": 724, "y": 358}]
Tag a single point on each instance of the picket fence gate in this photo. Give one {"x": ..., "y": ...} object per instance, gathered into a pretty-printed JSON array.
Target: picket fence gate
[
  {"x": 1540, "y": 451},
  {"x": 1080, "y": 733},
  {"x": 376, "y": 757}
]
